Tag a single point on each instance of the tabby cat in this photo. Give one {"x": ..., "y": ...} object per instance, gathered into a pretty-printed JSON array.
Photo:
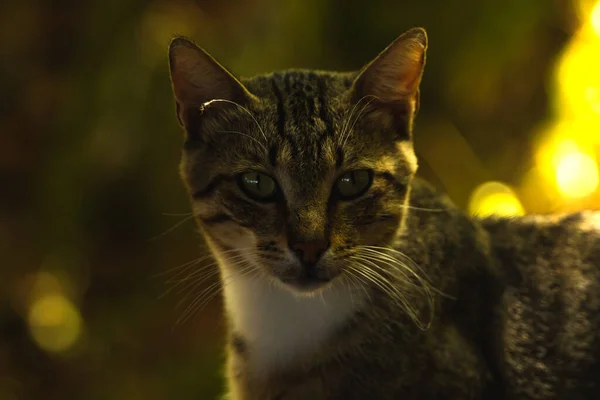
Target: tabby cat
[{"x": 344, "y": 277}]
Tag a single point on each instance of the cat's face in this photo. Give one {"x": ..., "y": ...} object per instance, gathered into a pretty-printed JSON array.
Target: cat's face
[{"x": 292, "y": 174}]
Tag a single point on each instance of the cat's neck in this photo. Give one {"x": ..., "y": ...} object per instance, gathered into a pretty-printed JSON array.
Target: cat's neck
[{"x": 279, "y": 326}]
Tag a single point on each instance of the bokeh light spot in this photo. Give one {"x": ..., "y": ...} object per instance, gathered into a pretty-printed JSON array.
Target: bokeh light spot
[
  {"x": 576, "y": 174},
  {"x": 495, "y": 198},
  {"x": 592, "y": 95},
  {"x": 55, "y": 323},
  {"x": 578, "y": 86},
  {"x": 595, "y": 18}
]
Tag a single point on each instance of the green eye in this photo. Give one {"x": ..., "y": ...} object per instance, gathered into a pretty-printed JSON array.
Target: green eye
[
  {"x": 354, "y": 184},
  {"x": 257, "y": 186}
]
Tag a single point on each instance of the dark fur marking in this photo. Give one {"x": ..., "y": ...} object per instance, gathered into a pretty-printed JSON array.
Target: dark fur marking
[
  {"x": 271, "y": 257},
  {"x": 212, "y": 186},
  {"x": 339, "y": 161},
  {"x": 280, "y": 108},
  {"x": 217, "y": 219},
  {"x": 398, "y": 186},
  {"x": 238, "y": 344},
  {"x": 273, "y": 155},
  {"x": 323, "y": 112},
  {"x": 193, "y": 144}
]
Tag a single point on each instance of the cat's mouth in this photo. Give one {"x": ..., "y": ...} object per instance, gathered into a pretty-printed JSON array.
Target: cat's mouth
[{"x": 309, "y": 280}]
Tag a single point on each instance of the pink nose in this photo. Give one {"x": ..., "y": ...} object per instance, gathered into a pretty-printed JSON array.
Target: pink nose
[{"x": 310, "y": 251}]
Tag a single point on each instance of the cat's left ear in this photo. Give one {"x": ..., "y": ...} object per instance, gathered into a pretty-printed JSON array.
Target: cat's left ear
[
  {"x": 391, "y": 81},
  {"x": 198, "y": 78}
]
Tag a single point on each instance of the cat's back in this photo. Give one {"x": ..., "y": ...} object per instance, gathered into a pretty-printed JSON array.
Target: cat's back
[
  {"x": 552, "y": 243},
  {"x": 549, "y": 317}
]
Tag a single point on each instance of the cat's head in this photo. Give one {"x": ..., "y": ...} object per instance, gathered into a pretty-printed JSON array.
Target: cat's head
[{"x": 295, "y": 173}]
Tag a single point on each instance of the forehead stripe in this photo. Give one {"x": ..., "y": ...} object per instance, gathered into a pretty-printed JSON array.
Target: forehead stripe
[
  {"x": 323, "y": 112},
  {"x": 280, "y": 107},
  {"x": 273, "y": 154}
]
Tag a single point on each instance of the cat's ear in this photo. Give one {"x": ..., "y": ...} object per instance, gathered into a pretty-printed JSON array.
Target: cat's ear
[
  {"x": 198, "y": 78},
  {"x": 392, "y": 79}
]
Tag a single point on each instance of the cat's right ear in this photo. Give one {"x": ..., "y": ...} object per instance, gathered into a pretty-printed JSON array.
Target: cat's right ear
[
  {"x": 390, "y": 83},
  {"x": 198, "y": 78}
]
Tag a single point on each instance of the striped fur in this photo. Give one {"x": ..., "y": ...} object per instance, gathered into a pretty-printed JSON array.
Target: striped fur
[{"x": 411, "y": 299}]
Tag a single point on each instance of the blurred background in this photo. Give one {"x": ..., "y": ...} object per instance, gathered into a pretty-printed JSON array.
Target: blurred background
[{"x": 94, "y": 220}]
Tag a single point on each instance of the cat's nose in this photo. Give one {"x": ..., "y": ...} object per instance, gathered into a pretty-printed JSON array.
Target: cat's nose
[{"x": 310, "y": 251}]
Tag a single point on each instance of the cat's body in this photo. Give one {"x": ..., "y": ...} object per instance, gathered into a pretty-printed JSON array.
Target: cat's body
[
  {"x": 345, "y": 278},
  {"x": 523, "y": 324}
]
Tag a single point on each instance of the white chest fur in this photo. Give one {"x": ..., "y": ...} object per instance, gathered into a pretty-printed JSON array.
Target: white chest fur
[{"x": 279, "y": 325}]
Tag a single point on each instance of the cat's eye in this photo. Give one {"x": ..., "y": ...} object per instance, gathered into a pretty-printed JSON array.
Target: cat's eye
[
  {"x": 257, "y": 185},
  {"x": 354, "y": 184}
]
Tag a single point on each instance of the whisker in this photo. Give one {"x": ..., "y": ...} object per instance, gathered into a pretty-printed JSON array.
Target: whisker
[
  {"x": 395, "y": 267},
  {"x": 399, "y": 253},
  {"x": 423, "y": 208},
  {"x": 365, "y": 272},
  {"x": 244, "y": 109},
  {"x": 397, "y": 263},
  {"x": 393, "y": 292},
  {"x": 358, "y": 282},
  {"x": 358, "y": 117},
  {"x": 229, "y": 259},
  {"x": 203, "y": 274},
  {"x": 195, "y": 261},
  {"x": 206, "y": 295},
  {"x": 389, "y": 290},
  {"x": 185, "y": 266},
  {"x": 195, "y": 281},
  {"x": 400, "y": 267},
  {"x": 424, "y": 279},
  {"x": 424, "y": 286},
  {"x": 171, "y": 229},
  {"x": 210, "y": 291},
  {"x": 197, "y": 277},
  {"x": 345, "y": 131},
  {"x": 176, "y": 214}
]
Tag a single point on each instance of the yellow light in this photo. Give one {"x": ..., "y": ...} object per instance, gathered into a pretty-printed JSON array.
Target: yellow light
[
  {"x": 592, "y": 96},
  {"x": 595, "y": 18},
  {"x": 577, "y": 82},
  {"x": 561, "y": 139},
  {"x": 576, "y": 174},
  {"x": 55, "y": 323},
  {"x": 495, "y": 198}
]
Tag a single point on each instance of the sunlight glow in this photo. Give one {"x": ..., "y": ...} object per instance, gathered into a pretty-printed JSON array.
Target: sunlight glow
[
  {"x": 576, "y": 174},
  {"x": 595, "y": 18},
  {"x": 567, "y": 160},
  {"x": 567, "y": 154},
  {"x": 578, "y": 83},
  {"x": 55, "y": 323},
  {"x": 495, "y": 198}
]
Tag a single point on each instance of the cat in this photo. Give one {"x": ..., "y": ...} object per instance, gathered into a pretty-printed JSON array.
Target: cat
[{"x": 343, "y": 275}]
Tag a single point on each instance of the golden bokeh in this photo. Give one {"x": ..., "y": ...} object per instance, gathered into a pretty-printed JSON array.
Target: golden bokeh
[
  {"x": 495, "y": 198},
  {"x": 595, "y": 18},
  {"x": 577, "y": 175},
  {"x": 568, "y": 162},
  {"x": 55, "y": 323},
  {"x": 568, "y": 149},
  {"x": 576, "y": 79}
]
